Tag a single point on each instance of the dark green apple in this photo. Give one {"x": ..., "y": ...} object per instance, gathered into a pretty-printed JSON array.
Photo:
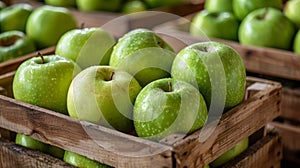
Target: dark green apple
[
  {"x": 34, "y": 144},
  {"x": 99, "y": 5},
  {"x": 218, "y": 5},
  {"x": 222, "y": 25},
  {"x": 15, "y": 17},
  {"x": 292, "y": 11},
  {"x": 2, "y": 5},
  {"x": 143, "y": 54},
  {"x": 47, "y": 24},
  {"x": 134, "y": 6},
  {"x": 264, "y": 27},
  {"x": 296, "y": 45},
  {"x": 64, "y": 3},
  {"x": 14, "y": 44},
  {"x": 216, "y": 69},
  {"x": 87, "y": 47},
  {"x": 44, "y": 81},
  {"x": 81, "y": 161},
  {"x": 242, "y": 8},
  {"x": 164, "y": 3},
  {"x": 105, "y": 96},
  {"x": 168, "y": 106},
  {"x": 232, "y": 153}
]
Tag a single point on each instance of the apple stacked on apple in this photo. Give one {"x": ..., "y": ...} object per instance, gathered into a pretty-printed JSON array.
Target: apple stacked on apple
[
  {"x": 46, "y": 24},
  {"x": 216, "y": 69},
  {"x": 14, "y": 44},
  {"x": 216, "y": 20},
  {"x": 134, "y": 6},
  {"x": 15, "y": 17},
  {"x": 263, "y": 27},
  {"x": 86, "y": 46},
  {"x": 165, "y": 3},
  {"x": 242, "y": 8},
  {"x": 143, "y": 54}
]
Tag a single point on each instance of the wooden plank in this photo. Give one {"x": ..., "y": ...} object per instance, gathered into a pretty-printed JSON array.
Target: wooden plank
[
  {"x": 235, "y": 125},
  {"x": 96, "y": 142},
  {"x": 291, "y": 103},
  {"x": 267, "y": 152},
  {"x": 12, "y": 155}
]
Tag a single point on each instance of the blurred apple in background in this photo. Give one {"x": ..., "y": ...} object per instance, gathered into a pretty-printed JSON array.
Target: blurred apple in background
[
  {"x": 242, "y": 8},
  {"x": 267, "y": 27},
  {"x": 47, "y": 24},
  {"x": 99, "y": 5},
  {"x": 15, "y": 17},
  {"x": 87, "y": 46},
  {"x": 105, "y": 96},
  {"x": 2, "y": 5},
  {"x": 62, "y": 3},
  {"x": 292, "y": 11},
  {"x": 134, "y": 6},
  {"x": 14, "y": 44},
  {"x": 164, "y": 3},
  {"x": 144, "y": 54},
  {"x": 222, "y": 25},
  {"x": 218, "y": 5},
  {"x": 167, "y": 106}
]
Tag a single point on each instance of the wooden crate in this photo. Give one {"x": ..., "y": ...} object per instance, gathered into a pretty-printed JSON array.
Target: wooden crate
[
  {"x": 279, "y": 65},
  {"x": 121, "y": 150}
]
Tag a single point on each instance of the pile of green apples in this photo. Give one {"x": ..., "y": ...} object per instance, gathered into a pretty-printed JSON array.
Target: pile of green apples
[
  {"x": 271, "y": 23},
  {"x": 136, "y": 85},
  {"x": 25, "y": 29},
  {"x": 124, "y": 6}
]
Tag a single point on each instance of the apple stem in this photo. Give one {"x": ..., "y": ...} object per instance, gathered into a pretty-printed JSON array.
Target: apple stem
[
  {"x": 42, "y": 57},
  {"x": 112, "y": 74},
  {"x": 170, "y": 86},
  {"x": 82, "y": 25}
]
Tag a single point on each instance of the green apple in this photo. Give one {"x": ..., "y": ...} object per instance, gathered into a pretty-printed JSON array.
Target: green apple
[
  {"x": 296, "y": 43},
  {"x": 143, "y": 54},
  {"x": 47, "y": 24},
  {"x": 30, "y": 143},
  {"x": 264, "y": 27},
  {"x": 167, "y": 106},
  {"x": 292, "y": 11},
  {"x": 134, "y": 6},
  {"x": 164, "y": 3},
  {"x": 232, "y": 153},
  {"x": 14, "y": 44},
  {"x": 218, "y": 5},
  {"x": 103, "y": 95},
  {"x": 99, "y": 5},
  {"x": 242, "y": 8},
  {"x": 81, "y": 161},
  {"x": 216, "y": 69},
  {"x": 2, "y": 5},
  {"x": 87, "y": 47},
  {"x": 34, "y": 144},
  {"x": 15, "y": 17},
  {"x": 44, "y": 81},
  {"x": 64, "y": 3},
  {"x": 222, "y": 25}
]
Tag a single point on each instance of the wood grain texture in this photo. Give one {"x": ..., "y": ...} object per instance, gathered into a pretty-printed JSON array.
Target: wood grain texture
[
  {"x": 12, "y": 155},
  {"x": 266, "y": 152},
  {"x": 120, "y": 150}
]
